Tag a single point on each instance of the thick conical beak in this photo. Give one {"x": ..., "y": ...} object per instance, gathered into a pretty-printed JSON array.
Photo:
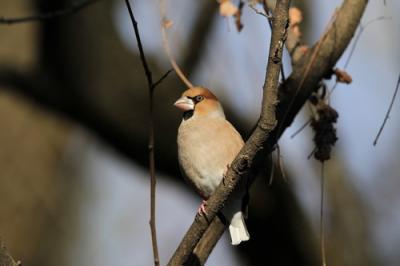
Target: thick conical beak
[{"x": 184, "y": 104}]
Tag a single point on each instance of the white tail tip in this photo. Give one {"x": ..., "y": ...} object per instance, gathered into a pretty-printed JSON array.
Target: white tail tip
[{"x": 238, "y": 230}]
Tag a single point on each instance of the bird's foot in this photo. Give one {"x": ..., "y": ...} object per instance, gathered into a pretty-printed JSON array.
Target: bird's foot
[{"x": 202, "y": 208}]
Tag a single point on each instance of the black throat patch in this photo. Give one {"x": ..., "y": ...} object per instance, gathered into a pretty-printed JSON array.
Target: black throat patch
[{"x": 187, "y": 114}]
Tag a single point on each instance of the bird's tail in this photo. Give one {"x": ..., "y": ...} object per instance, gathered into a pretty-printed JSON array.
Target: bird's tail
[{"x": 237, "y": 229}]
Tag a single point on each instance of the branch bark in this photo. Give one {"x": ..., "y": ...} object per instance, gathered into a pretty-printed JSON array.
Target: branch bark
[
  {"x": 293, "y": 93},
  {"x": 240, "y": 167}
]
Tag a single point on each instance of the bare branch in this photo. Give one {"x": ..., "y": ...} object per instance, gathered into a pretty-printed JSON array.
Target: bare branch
[
  {"x": 146, "y": 68},
  {"x": 75, "y": 7},
  {"x": 158, "y": 82},
  {"x": 301, "y": 128},
  {"x": 152, "y": 166},
  {"x": 388, "y": 111}
]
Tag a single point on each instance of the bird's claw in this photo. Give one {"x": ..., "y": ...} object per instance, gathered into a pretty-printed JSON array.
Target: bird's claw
[{"x": 202, "y": 208}]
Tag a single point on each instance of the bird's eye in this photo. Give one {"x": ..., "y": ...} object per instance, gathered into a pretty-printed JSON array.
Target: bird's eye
[{"x": 199, "y": 98}]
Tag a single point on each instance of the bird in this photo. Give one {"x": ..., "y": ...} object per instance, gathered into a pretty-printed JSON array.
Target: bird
[{"x": 207, "y": 145}]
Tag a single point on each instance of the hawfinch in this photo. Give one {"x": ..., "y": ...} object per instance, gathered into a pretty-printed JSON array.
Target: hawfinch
[{"x": 207, "y": 144}]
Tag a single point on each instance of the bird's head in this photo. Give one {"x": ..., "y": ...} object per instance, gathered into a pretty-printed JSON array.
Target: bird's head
[{"x": 199, "y": 101}]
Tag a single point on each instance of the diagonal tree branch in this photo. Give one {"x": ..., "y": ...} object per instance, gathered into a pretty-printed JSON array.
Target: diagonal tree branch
[
  {"x": 387, "y": 112},
  {"x": 240, "y": 167},
  {"x": 291, "y": 99}
]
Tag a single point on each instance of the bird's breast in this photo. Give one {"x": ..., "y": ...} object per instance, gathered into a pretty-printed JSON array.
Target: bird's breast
[{"x": 206, "y": 147}]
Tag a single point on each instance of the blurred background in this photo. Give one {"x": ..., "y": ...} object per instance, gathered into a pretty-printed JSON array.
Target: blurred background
[{"x": 74, "y": 184}]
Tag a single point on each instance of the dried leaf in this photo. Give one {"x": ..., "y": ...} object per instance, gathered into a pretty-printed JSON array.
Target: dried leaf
[
  {"x": 167, "y": 23},
  {"x": 295, "y": 16},
  {"x": 342, "y": 76},
  {"x": 227, "y": 9}
]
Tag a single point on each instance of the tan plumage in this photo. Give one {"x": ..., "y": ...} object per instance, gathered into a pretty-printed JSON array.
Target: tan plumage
[{"x": 207, "y": 144}]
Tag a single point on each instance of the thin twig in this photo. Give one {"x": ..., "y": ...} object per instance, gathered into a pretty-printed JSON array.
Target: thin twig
[
  {"x": 165, "y": 23},
  {"x": 75, "y": 7},
  {"x": 152, "y": 167},
  {"x": 322, "y": 224},
  {"x": 388, "y": 112},
  {"x": 155, "y": 84},
  {"x": 311, "y": 153},
  {"x": 259, "y": 12},
  {"x": 146, "y": 68},
  {"x": 301, "y": 128}
]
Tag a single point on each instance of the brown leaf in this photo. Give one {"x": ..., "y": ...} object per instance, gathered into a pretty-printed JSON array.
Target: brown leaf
[
  {"x": 227, "y": 9},
  {"x": 167, "y": 23},
  {"x": 295, "y": 16},
  {"x": 342, "y": 76}
]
